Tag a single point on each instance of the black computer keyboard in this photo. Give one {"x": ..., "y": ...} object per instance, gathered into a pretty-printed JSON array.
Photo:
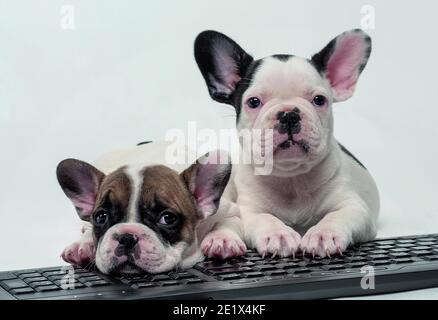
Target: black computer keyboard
[{"x": 397, "y": 264}]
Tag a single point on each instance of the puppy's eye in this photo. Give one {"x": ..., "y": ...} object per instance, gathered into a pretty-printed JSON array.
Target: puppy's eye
[
  {"x": 319, "y": 100},
  {"x": 100, "y": 217},
  {"x": 167, "y": 218},
  {"x": 254, "y": 102}
]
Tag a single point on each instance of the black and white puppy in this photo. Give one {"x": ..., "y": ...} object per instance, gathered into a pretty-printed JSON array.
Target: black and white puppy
[
  {"x": 142, "y": 216},
  {"x": 318, "y": 197}
]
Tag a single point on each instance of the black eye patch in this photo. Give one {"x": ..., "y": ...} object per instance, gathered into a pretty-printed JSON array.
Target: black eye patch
[
  {"x": 151, "y": 215},
  {"x": 114, "y": 214}
]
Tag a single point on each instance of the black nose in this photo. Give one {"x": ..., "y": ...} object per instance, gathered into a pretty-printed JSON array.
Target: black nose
[
  {"x": 128, "y": 241},
  {"x": 289, "y": 121}
]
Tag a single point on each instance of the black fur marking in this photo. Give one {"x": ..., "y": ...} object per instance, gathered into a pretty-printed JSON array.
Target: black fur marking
[
  {"x": 345, "y": 150},
  {"x": 144, "y": 142},
  {"x": 150, "y": 215},
  {"x": 116, "y": 214},
  {"x": 207, "y": 45},
  {"x": 282, "y": 57},
  {"x": 243, "y": 85}
]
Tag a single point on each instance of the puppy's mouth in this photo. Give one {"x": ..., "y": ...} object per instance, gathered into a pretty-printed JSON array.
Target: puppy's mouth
[{"x": 290, "y": 143}]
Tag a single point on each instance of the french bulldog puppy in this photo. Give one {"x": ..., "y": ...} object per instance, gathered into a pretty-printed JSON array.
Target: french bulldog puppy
[
  {"x": 318, "y": 197},
  {"x": 142, "y": 216}
]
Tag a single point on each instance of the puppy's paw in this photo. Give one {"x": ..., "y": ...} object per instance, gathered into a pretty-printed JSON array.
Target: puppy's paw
[
  {"x": 79, "y": 253},
  {"x": 324, "y": 241},
  {"x": 223, "y": 244},
  {"x": 283, "y": 242}
]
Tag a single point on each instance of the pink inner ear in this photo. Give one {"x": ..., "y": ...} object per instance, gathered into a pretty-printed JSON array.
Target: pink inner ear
[
  {"x": 227, "y": 69},
  {"x": 203, "y": 193},
  {"x": 84, "y": 203},
  {"x": 343, "y": 66},
  {"x": 206, "y": 191}
]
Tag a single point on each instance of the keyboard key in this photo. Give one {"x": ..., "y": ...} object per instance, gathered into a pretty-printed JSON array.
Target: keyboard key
[
  {"x": 29, "y": 275},
  {"x": 431, "y": 257},
  {"x": 402, "y": 260},
  {"x": 405, "y": 245},
  {"x": 22, "y": 291},
  {"x": 169, "y": 283},
  {"x": 161, "y": 277},
  {"x": 377, "y": 256},
  {"x": 399, "y": 254},
  {"x": 332, "y": 267},
  {"x": 385, "y": 247},
  {"x": 68, "y": 285},
  {"x": 405, "y": 240},
  {"x": 35, "y": 279},
  {"x": 357, "y": 259},
  {"x": 253, "y": 274},
  {"x": 217, "y": 272},
  {"x": 380, "y": 262},
  {"x": 357, "y": 264},
  {"x": 290, "y": 265},
  {"x": 379, "y": 251},
  {"x": 48, "y": 288},
  {"x": 255, "y": 258},
  {"x": 400, "y": 250},
  {"x": 63, "y": 276},
  {"x": 265, "y": 267},
  {"x": 88, "y": 279},
  {"x": 244, "y": 264},
  {"x": 276, "y": 273},
  {"x": 428, "y": 244},
  {"x": 322, "y": 273},
  {"x": 230, "y": 276},
  {"x": 421, "y": 252},
  {"x": 191, "y": 281},
  {"x": 209, "y": 265},
  {"x": 97, "y": 283},
  {"x": 54, "y": 273},
  {"x": 385, "y": 242},
  {"x": 302, "y": 270},
  {"x": 41, "y": 283},
  {"x": 420, "y": 248},
  {"x": 13, "y": 284},
  {"x": 182, "y": 275}
]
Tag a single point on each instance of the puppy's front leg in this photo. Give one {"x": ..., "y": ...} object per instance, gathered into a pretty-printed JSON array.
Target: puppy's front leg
[
  {"x": 83, "y": 251},
  {"x": 269, "y": 235},
  {"x": 350, "y": 223},
  {"x": 224, "y": 239}
]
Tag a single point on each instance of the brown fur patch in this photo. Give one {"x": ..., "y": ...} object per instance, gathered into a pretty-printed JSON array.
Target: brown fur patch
[
  {"x": 162, "y": 184},
  {"x": 117, "y": 186}
]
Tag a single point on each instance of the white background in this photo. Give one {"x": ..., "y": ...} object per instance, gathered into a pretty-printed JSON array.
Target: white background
[{"x": 126, "y": 73}]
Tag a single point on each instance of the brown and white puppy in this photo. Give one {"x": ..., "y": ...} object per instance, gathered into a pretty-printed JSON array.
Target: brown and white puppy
[{"x": 142, "y": 216}]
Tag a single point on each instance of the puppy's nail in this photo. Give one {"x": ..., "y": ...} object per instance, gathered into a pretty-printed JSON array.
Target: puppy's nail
[
  {"x": 340, "y": 252},
  {"x": 328, "y": 253}
]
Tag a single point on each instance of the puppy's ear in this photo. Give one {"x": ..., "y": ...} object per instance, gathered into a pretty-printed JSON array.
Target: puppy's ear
[
  {"x": 80, "y": 182},
  {"x": 342, "y": 61},
  {"x": 206, "y": 180},
  {"x": 222, "y": 63}
]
